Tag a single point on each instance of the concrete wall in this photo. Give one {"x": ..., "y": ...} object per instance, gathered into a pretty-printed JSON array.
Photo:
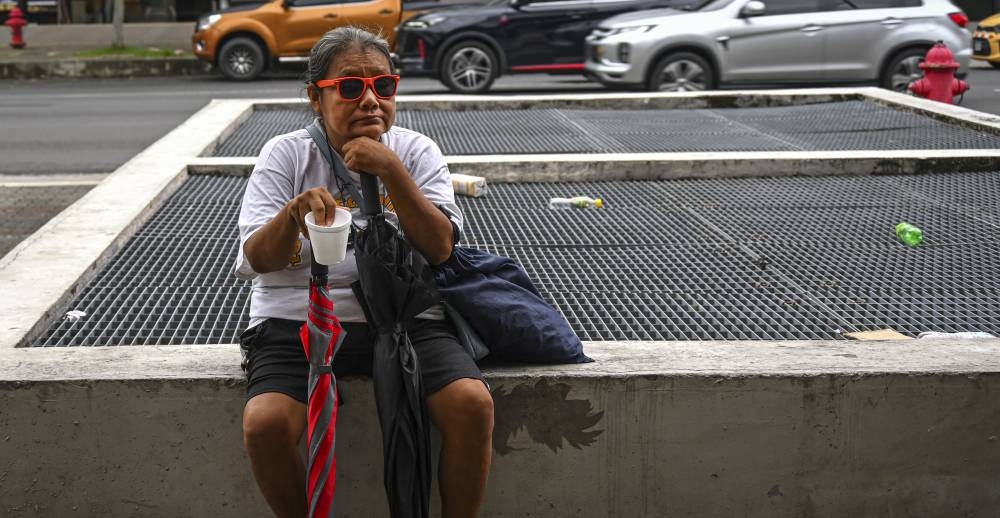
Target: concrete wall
[
  {"x": 82, "y": 36},
  {"x": 651, "y": 430}
]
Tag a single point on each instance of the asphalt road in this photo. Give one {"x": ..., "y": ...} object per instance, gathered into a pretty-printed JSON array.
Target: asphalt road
[{"x": 93, "y": 126}]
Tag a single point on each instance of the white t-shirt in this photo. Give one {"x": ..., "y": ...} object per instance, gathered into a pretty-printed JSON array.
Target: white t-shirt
[{"x": 291, "y": 164}]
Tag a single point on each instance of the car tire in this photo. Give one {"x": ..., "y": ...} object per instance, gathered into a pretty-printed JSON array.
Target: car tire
[
  {"x": 681, "y": 72},
  {"x": 241, "y": 59},
  {"x": 994, "y": 64},
  {"x": 903, "y": 69},
  {"x": 469, "y": 67}
]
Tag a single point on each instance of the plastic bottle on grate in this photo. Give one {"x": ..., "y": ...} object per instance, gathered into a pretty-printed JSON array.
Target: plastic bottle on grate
[
  {"x": 580, "y": 202},
  {"x": 909, "y": 234}
]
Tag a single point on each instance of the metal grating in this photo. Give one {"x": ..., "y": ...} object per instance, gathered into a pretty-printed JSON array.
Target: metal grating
[
  {"x": 912, "y": 314},
  {"x": 761, "y": 259},
  {"x": 692, "y": 316},
  {"x": 611, "y": 227},
  {"x": 846, "y": 125},
  {"x": 859, "y": 125},
  {"x": 870, "y": 228},
  {"x": 823, "y": 191},
  {"x": 172, "y": 283},
  {"x": 927, "y": 270}
]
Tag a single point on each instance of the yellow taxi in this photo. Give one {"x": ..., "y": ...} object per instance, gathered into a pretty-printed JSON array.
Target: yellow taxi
[{"x": 986, "y": 41}]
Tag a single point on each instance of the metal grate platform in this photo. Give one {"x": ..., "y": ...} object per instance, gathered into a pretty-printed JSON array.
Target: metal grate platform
[
  {"x": 836, "y": 126},
  {"x": 172, "y": 283},
  {"x": 760, "y": 259}
]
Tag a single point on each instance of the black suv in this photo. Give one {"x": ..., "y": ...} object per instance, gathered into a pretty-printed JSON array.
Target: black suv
[{"x": 467, "y": 48}]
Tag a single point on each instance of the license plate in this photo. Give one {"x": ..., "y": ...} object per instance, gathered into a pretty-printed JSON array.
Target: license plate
[{"x": 981, "y": 46}]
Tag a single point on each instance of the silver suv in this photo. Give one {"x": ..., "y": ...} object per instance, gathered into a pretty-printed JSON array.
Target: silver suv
[{"x": 732, "y": 42}]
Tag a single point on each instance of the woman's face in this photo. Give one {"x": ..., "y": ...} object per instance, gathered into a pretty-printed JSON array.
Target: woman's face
[{"x": 368, "y": 116}]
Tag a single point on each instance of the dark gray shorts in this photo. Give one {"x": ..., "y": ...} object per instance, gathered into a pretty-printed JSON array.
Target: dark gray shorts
[{"x": 276, "y": 362}]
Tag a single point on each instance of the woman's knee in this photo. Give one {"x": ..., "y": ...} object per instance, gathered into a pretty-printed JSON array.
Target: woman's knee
[
  {"x": 271, "y": 422},
  {"x": 465, "y": 407}
]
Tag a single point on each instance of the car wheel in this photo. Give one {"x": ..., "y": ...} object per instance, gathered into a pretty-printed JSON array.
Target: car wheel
[
  {"x": 903, "y": 69},
  {"x": 681, "y": 72},
  {"x": 469, "y": 67},
  {"x": 241, "y": 59},
  {"x": 995, "y": 64}
]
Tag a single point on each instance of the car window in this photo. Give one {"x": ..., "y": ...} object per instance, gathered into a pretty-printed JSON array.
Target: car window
[
  {"x": 777, "y": 7},
  {"x": 312, "y": 3},
  {"x": 557, "y": 4},
  {"x": 867, "y": 4},
  {"x": 850, "y": 5},
  {"x": 711, "y": 5},
  {"x": 684, "y": 5}
]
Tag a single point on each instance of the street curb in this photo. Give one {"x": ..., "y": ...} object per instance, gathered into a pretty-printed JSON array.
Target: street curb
[{"x": 102, "y": 68}]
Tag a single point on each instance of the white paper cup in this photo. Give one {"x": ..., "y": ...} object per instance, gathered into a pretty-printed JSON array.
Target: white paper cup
[{"x": 329, "y": 244}]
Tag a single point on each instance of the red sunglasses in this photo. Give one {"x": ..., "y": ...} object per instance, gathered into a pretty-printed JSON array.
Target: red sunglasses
[{"x": 352, "y": 88}]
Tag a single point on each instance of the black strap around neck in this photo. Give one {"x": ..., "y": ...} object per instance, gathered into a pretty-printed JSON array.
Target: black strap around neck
[{"x": 319, "y": 137}]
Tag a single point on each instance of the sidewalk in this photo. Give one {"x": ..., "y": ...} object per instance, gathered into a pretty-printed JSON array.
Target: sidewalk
[{"x": 54, "y": 51}]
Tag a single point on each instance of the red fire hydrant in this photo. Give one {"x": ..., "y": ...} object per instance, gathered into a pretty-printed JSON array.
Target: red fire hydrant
[
  {"x": 939, "y": 82},
  {"x": 16, "y": 22}
]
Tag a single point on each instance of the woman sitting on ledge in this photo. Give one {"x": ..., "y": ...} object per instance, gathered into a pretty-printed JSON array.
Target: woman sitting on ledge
[{"x": 291, "y": 178}]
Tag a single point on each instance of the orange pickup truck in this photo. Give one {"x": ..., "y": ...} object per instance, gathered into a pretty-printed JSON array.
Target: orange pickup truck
[{"x": 242, "y": 42}]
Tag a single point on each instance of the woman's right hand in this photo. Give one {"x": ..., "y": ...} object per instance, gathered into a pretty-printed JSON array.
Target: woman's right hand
[{"x": 317, "y": 200}]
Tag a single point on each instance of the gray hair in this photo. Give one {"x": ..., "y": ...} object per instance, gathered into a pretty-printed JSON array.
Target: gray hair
[{"x": 336, "y": 42}]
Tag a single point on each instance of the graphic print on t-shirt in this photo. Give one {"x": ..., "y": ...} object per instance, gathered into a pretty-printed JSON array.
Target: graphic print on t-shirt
[{"x": 349, "y": 203}]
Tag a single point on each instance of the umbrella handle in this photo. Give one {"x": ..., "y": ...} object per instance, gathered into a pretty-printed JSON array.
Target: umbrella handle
[
  {"x": 369, "y": 191},
  {"x": 319, "y": 272}
]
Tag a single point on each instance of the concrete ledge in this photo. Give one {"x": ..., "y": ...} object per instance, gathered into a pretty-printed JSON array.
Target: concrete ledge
[
  {"x": 650, "y": 430},
  {"x": 102, "y": 68}
]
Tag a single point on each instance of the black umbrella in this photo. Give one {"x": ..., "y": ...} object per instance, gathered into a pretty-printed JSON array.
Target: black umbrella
[{"x": 397, "y": 284}]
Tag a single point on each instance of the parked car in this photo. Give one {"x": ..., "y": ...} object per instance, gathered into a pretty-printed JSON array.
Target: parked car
[
  {"x": 732, "y": 42},
  {"x": 468, "y": 48},
  {"x": 986, "y": 41},
  {"x": 244, "y": 41}
]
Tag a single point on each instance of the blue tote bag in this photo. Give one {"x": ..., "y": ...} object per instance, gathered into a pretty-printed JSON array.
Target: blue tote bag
[{"x": 499, "y": 302}]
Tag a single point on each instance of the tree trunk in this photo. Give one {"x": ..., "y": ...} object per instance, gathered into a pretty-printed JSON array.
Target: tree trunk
[{"x": 118, "y": 20}]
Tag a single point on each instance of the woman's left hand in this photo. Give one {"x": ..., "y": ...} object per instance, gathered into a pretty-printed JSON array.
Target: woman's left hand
[{"x": 371, "y": 156}]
